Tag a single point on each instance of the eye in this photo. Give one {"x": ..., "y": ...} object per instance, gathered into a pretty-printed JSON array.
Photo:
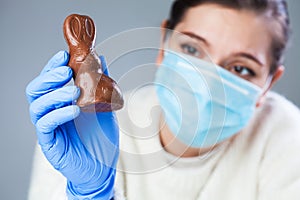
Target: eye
[
  {"x": 243, "y": 71},
  {"x": 190, "y": 50}
]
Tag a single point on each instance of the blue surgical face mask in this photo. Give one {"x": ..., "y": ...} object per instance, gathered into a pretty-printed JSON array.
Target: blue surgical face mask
[{"x": 203, "y": 104}]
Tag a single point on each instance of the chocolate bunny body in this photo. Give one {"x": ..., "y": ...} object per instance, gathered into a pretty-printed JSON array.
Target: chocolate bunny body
[{"x": 99, "y": 93}]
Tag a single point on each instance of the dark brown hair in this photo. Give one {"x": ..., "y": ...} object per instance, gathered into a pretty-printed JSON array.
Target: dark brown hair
[{"x": 275, "y": 11}]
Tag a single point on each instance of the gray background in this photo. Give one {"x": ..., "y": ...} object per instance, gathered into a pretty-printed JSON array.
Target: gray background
[{"x": 31, "y": 32}]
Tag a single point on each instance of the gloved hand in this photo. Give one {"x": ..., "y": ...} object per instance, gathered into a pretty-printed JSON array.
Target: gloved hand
[{"x": 84, "y": 147}]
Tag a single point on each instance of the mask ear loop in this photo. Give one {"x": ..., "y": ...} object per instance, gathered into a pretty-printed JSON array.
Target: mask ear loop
[{"x": 267, "y": 84}]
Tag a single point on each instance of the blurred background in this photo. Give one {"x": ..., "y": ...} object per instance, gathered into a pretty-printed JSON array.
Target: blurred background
[{"x": 31, "y": 32}]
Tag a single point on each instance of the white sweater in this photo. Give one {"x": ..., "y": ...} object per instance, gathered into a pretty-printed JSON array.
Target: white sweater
[{"x": 262, "y": 162}]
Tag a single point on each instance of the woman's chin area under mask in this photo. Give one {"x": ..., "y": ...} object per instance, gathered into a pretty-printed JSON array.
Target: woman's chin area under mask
[{"x": 174, "y": 146}]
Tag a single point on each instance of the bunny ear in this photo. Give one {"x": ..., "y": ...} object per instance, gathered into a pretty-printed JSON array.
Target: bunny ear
[
  {"x": 75, "y": 29},
  {"x": 90, "y": 28},
  {"x": 79, "y": 29},
  {"x": 72, "y": 30}
]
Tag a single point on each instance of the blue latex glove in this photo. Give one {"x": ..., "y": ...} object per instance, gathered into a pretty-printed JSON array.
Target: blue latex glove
[{"x": 84, "y": 147}]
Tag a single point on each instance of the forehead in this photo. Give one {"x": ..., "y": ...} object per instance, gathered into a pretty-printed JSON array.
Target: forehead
[{"x": 238, "y": 30}]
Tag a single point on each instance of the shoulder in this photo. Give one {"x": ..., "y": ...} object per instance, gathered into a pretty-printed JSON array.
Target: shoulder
[
  {"x": 281, "y": 148},
  {"x": 273, "y": 131},
  {"x": 279, "y": 120},
  {"x": 280, "y": 112}
]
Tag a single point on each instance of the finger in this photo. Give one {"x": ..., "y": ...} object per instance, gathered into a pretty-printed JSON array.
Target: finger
[
  {"x": 48, "y": 82},
  {"x": 56, "y": 99},
  {"x": 46, "y": 125},
  {"x": 104, "y": 65},
  {"x": 61, "y": 58}
]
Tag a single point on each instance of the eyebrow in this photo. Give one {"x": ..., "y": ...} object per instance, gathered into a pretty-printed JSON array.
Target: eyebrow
[
  {"x": 197, "y": 37},
  {"x": 249, "y": 56}
]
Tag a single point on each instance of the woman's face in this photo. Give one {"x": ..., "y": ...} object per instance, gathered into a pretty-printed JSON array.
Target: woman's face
[{"x": 237, "y": 40}]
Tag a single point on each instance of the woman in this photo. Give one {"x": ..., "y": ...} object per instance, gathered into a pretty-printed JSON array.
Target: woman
[{"x": 224, "y": 137}]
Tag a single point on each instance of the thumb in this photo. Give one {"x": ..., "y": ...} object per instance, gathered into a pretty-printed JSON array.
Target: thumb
[{"x": 104, "y": 65}]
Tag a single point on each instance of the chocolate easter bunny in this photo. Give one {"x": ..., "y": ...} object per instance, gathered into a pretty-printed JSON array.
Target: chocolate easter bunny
[{"x": 98, "y": 92}]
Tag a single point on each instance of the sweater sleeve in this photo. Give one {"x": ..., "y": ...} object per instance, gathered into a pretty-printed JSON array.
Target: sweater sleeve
[
  {"x": 46, "y": 183},
  {"x": 279, "y": 175}
]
